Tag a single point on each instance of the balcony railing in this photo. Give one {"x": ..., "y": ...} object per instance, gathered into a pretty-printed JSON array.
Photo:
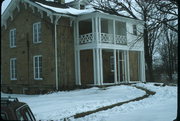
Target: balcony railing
[
  {"x": 104, "y": 38},
  {"x": 107, "y": 38},
  {"x": 86, "y": 38}
]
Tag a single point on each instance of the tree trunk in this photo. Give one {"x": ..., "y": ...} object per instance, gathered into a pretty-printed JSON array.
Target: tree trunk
[{"x": 148, "y": 56}]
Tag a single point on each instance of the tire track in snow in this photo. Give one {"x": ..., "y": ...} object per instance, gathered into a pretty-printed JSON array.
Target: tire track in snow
[{"x": 80, "y": 115}]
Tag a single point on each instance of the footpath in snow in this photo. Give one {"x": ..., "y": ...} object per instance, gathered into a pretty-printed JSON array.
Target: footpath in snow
[
  {"x": 60, "y": 105},
  {"x": 160, "y": 107}
]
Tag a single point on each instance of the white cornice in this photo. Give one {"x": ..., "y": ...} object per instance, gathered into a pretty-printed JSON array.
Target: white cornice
[{"x": 15, "y": 4}]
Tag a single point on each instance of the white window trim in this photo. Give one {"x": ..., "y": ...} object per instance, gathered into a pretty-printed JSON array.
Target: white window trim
[
  {"x": 14, "y": 70},
  {"x": 37, "y": 32},
  {"x": 12, "y": 41},
  {"x": 38, "y": 68}
]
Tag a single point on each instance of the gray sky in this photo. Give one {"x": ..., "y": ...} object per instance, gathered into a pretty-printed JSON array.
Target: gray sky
[{"x": 4, "y": 5}]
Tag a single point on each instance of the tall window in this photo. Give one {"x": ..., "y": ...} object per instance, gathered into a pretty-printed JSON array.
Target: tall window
[
  {"x": 12, "y": 38},
  {"x": 112, "y": 63},
  {"x": 134, "y": 29},
  {"x": 13, "y": 73},
  {"x": 37, "y": 61},
  {"x": 37, "y": 32}
]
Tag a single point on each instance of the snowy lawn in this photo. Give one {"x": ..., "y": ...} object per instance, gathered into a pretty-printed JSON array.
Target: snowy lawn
[
  {"x": 59, "y": 105},
  {"x": 160, "y": 107}
]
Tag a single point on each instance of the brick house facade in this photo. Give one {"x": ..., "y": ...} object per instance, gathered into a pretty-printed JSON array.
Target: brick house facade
[{"x": 45, "y": 47}]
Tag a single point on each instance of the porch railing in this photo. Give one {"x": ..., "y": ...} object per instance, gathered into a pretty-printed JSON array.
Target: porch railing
[
  {"x": 107, "y": 38},
  {"x": 120, "y": 39},
  {"x": 86, "y": 38},
  {"x": 104, "y": 38}
]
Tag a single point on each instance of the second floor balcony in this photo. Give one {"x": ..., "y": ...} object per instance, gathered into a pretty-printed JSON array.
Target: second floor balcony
[
  {"x": 101, "y": 31},
  {"x": 102, "y": 38}
]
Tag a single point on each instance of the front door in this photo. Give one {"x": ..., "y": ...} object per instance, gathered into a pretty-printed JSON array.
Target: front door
[{"x": 120, "y": 66}]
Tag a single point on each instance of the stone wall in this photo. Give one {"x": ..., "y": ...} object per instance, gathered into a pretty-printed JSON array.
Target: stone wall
[{"x": 25, "y": 50}]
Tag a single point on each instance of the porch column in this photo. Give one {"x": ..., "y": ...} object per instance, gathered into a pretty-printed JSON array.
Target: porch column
[
  {"x": 101, "y": 66},
  {"x": 114, "y": 32},
  {"x": 96, "y": 30},
  {"x": 128, "y": 71},
  {"x": 115, "y": 68},
  {"x": 118, "y": 67},
  {"x": 125, "y": 66},
  {"x": 98, "y": 67},
  {"x": 142, "y": 65},
  {"x": 95, "y": 65},
  {"x": 99, "y": 30},
  {"x": 78, "y": 68},
  {"x": 76, "y": 65}
]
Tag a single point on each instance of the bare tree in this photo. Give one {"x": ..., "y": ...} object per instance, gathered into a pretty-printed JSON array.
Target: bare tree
[
  {"x": 170, "y": 11},
  {"x": 168, "y": 52}
]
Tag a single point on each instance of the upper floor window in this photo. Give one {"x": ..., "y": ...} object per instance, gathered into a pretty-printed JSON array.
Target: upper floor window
[
  {"x": 134, "y": 29},
  {"x": 12, "y": 38},
  {"x": 37, "y": 32},
  {"x": 13, "y": 73},
  {"x": 37, "y": 62}
]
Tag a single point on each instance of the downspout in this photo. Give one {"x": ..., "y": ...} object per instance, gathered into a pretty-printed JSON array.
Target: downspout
[{"x": 55, "y": 50}]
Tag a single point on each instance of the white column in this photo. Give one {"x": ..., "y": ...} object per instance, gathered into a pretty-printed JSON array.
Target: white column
[
  {"x": 125, "y": 65},
  {"x": 142, "y": 66},
  {"x": 78, "y": 68},
  {"x": 99, "y": 26},
  {"x": 76, "y": 65},
  {"x": 77, "y": 33},
  {"x": 114, "y": 32},
  {"x": 101, "y": 66},
  {"x": 128, "y": 71},
  {"x": 118, "y": 68},
  {"x": 115, "y": 68},
  {"x": 93, "y": 28},
  {"x": 95, "y": 65},
  {"x": 96, "y": 30},
  {"x": 98, "y": 67}
]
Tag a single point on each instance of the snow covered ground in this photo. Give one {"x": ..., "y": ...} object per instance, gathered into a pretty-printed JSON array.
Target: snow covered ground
[
  {"x": 59, "y": 105},
  {"x": 160, "y": 107}
]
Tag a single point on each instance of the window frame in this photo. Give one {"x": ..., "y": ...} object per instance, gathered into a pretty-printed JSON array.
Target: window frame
[
  {"x": 135, "y": 29},
  {"x": 111, "y": 61},
  {"x": 39, "y": 72},
  {"x": 37, "y": 30},
  {"x": 13, "y": 69},
  {"x": 12, "y": 38}
]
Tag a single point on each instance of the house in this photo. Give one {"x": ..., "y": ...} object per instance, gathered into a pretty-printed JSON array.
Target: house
[{"x": 50, "y": 46}]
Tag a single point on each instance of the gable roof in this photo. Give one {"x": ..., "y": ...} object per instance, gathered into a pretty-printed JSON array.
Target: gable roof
[{"x": 51, "y": 8}]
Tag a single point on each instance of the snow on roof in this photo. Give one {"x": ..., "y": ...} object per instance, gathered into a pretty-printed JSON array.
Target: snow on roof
[
  {"x": 69, "y": 10},
  {"x": 66, "y": 1}
]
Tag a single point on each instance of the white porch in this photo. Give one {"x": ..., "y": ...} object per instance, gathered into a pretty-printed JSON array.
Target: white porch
[
  {"x": 108, "y": 67},
  {"x": 96, "y": 36}
]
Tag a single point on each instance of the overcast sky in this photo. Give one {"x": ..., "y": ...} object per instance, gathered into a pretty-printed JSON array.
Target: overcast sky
[{"x": 4, "y": 5}]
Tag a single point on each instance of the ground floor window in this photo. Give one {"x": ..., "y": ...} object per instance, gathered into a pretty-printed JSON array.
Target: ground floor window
[
  {"x": 13, "y": 73},
  {"x": 37, "y": 62}
]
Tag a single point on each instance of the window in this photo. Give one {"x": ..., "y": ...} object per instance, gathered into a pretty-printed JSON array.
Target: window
[
  {"x": 37, "y": 32},
  {"x": 37, "y": 67},
  {"x": 112, "y": 63},
  {"x": 13, "y": 73},
  {"x": 12, "y": 38},
  {"x": 134, "y": 29}
]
